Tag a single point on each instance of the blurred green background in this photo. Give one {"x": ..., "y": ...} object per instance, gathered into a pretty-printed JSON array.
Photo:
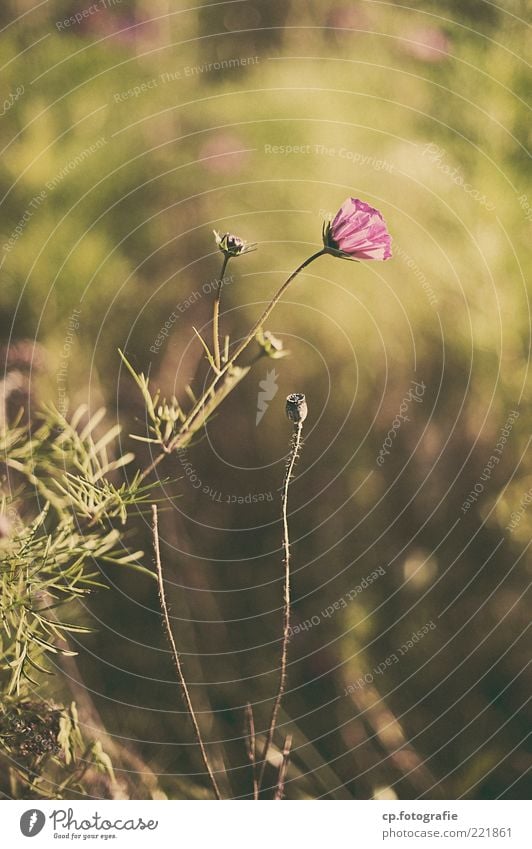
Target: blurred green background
[{"x": 127, "y": 137}]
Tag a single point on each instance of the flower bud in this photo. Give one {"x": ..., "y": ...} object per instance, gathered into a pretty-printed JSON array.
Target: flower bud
[
  {"x": 232, "y": 245},
  {"x": 296, "y": 407}
]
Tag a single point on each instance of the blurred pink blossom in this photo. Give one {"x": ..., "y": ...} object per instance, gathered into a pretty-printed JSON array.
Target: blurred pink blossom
[
  {"x": 429, "y": 44},
  {"x": 126, "y": 28},
  {"x": 223, "y": 153},
  {"x": 346, "y": 17}
]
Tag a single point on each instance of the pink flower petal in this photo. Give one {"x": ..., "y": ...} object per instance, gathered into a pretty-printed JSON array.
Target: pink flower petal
[{"x": 358, "y": 231}]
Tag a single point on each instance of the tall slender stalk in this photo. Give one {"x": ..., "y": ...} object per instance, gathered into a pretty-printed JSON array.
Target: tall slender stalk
[
  {"x": 175, "y": 653},
  {"x": 251, "y": 744},
  {"x": 279, "y": 791},
  {"x": 294, "y": 452},
  {"x": 216, "y": 315}
]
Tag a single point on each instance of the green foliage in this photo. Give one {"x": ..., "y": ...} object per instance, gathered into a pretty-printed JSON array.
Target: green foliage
[
  {"x": 53, "y": 558},
  {"x": 167, "y": 424},
  {"x": 62, "y": 493},
  {"x": 163, "y": 417}
]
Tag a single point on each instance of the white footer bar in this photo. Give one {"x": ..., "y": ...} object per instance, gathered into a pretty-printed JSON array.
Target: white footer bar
[{"x": 232, "y": 825}]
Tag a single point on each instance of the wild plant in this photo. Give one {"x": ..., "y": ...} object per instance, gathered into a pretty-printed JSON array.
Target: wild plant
[{"x": 68, "y": 499}]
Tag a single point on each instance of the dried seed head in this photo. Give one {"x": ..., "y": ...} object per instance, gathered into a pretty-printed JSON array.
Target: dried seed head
[
  {"x": 31, "y": 729},
  {"x": 296, "y": 407}
]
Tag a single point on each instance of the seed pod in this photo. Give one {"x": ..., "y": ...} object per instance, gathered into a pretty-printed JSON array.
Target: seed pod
[{"x": 296, "y": 408}]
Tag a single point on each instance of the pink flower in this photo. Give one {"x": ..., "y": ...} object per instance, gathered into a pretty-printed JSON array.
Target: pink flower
[
  {"x": 224, "y": 153},
  {"x": 357, "y": 232},
  {"x": 128, "y": 28},
  {"x": 346, "y": 17}
]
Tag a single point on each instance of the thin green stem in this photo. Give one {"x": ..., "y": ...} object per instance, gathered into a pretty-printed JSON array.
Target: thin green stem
[
  {"x": 296, "y": 445},
  {"x": 249, "y": 338},
  {"x": 216, "y": 315},
  {"x": 182, "y": 437},
  {"x": 175, "y": 653},
  {"x": 183, "y": 434}
]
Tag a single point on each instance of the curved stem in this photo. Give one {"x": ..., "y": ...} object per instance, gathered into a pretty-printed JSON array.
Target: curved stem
[
  {"x": 216, "y": 315},
  {"x": 181, "y": 437},
  {"x": 250, "y": 336},
  {"x": 175, "y": 654},
  {"x": 296, "y": 445}
]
